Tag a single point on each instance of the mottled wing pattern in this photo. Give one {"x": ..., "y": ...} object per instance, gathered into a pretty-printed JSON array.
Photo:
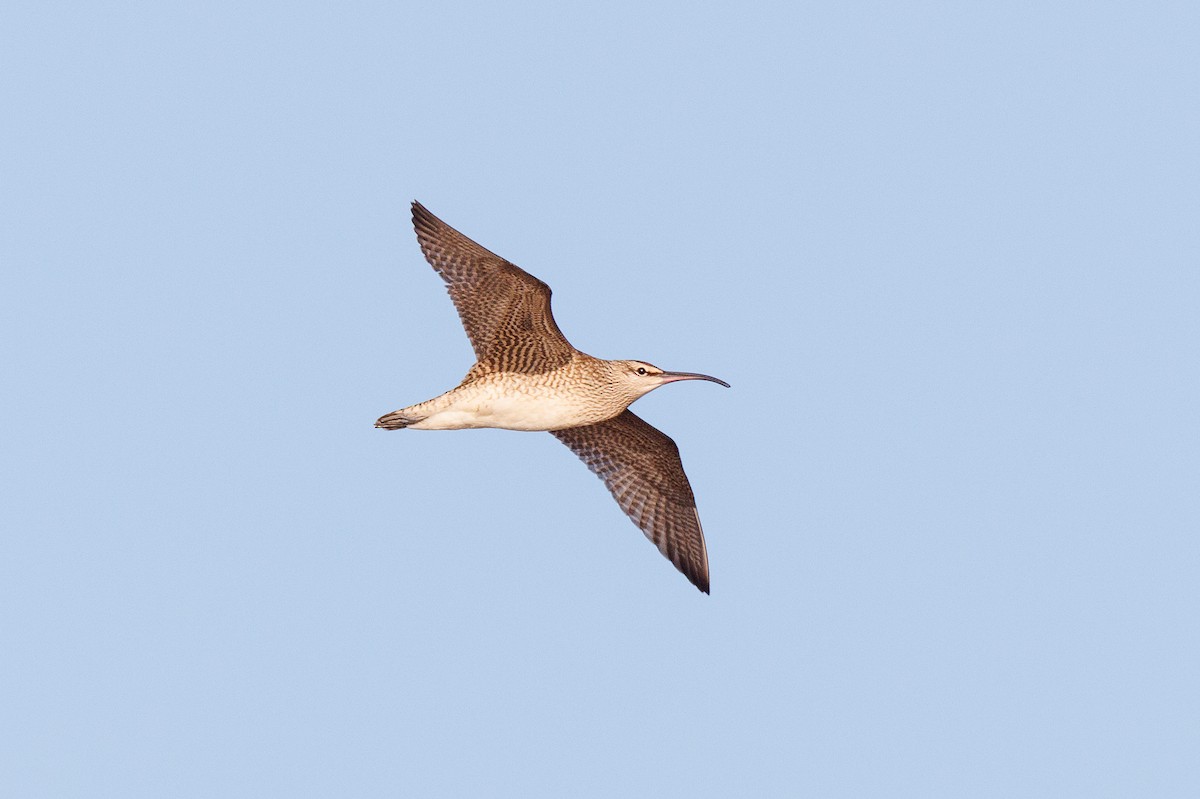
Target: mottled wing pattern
[
  {"x": 504, "y": 309},
  {"x": 641, "y": 467}
]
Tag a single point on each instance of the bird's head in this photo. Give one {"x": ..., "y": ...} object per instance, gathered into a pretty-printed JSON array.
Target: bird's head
[{"x": 637, "y": 378}]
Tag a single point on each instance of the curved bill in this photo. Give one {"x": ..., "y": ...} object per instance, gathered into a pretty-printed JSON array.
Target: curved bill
[{"x": 671, "y": 377}]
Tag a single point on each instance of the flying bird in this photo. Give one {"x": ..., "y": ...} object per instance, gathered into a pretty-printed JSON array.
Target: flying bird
[{"x": 528, "y": 377}]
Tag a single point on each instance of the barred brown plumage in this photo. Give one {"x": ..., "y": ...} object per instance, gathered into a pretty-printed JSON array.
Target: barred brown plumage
[
  {"x": 504, "y": 309},
  {"x": 641, "y": 467}
]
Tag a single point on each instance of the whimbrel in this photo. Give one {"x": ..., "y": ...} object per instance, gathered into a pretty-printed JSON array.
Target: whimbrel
[{"x": 528, "y": 377}]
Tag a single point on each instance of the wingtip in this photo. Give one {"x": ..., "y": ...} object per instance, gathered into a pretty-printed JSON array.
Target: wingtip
[
  {"x": 420, "y": 212},
  {"x": 696, "y": 574},
  {"x": 424, "y": 222}
]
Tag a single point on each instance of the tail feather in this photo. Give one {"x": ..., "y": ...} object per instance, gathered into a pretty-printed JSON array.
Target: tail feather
[{"x": 395, "y": 420}]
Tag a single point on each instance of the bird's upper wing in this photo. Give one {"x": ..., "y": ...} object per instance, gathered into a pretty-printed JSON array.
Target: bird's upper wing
[
  {"x": 505, "y": 310},
  {"x": 641, "y": 467}
]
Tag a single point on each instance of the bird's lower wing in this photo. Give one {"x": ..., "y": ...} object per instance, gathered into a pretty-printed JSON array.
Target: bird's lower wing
[{"x": 641, "y": 467}]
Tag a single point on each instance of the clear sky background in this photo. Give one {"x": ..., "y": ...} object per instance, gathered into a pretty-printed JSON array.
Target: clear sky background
[{"x": 948, "y": 255}]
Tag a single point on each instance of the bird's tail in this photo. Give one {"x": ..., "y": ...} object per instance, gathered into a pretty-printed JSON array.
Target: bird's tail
[{"x": 396, "y": 420}]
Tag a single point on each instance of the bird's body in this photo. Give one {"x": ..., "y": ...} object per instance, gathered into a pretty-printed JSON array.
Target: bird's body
[
  {"x": 528, "y": 377},
  {"x": 581, "y": 391}
]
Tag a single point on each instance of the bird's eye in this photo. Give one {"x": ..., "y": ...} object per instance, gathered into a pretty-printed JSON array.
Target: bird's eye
[{"x": 641, "y": 370}]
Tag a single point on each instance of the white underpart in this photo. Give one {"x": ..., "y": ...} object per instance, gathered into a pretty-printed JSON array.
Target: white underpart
[{"x": 526, "y": 407}]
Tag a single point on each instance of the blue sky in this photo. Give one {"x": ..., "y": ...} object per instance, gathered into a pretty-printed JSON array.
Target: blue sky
[{"x": 946, "y": 255}]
